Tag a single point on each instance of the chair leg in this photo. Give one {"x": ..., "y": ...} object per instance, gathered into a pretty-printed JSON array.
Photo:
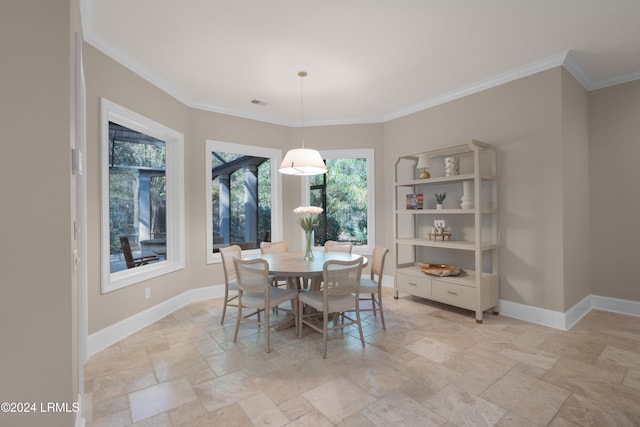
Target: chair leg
[
  {"x": 359, "y": 324},
  {"x": 235, "y": 335},
  {"x": 267, "y": 328},
  {"x": 294, "y": 307},
  {"x": 325, "y": 326},
  {"x": 381, "y": 312},
  {"x": 224, "y": 307},
  {"x": 299, "y": 319},
  {"x": 373, "y": 304}
]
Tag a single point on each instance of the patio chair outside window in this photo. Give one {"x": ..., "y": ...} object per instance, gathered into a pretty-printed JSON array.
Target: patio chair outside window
[{"x": 130, "y": 259}]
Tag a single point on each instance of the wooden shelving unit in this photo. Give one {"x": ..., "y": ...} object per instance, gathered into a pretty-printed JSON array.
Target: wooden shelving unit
[{"x": 474, "y": 241}]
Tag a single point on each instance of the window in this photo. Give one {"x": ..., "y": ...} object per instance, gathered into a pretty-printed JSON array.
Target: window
[
  {"x": 142, "y": 198},
  {"x": 243, "y": 196},
  {"x": 347, "y": 195}
]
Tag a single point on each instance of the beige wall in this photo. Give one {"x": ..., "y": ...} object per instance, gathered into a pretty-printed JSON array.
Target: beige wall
[
  {"x": 522, "y": 119},
  {"x": 37, "y": 327},
  {"x": 106, "y": 78},
  {"x": 614, "y": 143},
  {"x": 575, "y": 190}
]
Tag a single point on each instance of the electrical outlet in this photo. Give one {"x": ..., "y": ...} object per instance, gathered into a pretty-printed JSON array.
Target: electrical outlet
[{"x": 147, "y": 292}]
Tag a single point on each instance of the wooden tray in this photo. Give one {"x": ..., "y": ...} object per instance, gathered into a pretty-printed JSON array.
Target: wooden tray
[{"x": 441, "y": 270}]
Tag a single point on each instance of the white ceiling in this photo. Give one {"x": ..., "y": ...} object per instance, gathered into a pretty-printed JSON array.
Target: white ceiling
[{"x": 368, "y": 60}]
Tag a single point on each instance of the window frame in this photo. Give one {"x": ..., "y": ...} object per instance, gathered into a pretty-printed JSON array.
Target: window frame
[
  {"x": 359, "y": 153},
  {"x": 276, "y": 190},
  {"x": 174, "y": 173}
]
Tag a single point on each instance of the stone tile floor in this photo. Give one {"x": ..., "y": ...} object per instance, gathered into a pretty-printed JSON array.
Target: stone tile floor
[{"x": 432, "y": 366}]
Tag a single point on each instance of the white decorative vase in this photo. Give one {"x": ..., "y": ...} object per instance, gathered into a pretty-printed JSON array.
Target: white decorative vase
[
  {"x": 467, "y": 195},
  {"x": 451, "y": 166},
  {"x": 440, "y": 206}
]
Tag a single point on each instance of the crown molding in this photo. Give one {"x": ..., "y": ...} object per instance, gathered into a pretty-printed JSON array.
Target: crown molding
[
  {"x": 573, "y": 66},
  {"x": 509, "y": 76},
  {"x": 626, "y": 78}
]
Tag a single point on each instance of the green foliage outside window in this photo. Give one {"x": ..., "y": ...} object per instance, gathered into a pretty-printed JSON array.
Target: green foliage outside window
[{"x": 346, "y": 201}]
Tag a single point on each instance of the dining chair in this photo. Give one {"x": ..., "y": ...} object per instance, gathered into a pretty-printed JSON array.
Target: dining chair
[
  {"x": 371, "y": 288},
  {"x": 333, "y": 246},
  {"x": 275, "y": 247},
  {"x": 339, "y": 295},
  {"x": 132, "y": 261},
  {"x": 255, "y": 292},
  {"x": 230, "y": 281}
]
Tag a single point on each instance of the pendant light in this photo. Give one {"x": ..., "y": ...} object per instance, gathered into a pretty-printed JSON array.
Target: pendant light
[{"x": 302, "y": 161}]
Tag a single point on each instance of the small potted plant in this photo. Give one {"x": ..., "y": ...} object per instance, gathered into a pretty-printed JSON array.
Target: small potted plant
[{"x": 440, "y": 200}]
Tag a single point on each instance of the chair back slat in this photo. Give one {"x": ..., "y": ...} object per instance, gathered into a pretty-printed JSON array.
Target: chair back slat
[
  {"x": 227, "y": 255},
  {"x": 377, "y": 262},
  {"x": 342, "y": 277},
  {"x": 274, "y": 247},
  {"x": 333, "y": 246},
  {"x": 252, "y": 275},
  {"x": 126, "y": 251}
]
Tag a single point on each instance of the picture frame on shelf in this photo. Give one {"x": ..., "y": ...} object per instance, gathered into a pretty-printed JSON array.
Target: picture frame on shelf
[{"x": 415, "y": 201}]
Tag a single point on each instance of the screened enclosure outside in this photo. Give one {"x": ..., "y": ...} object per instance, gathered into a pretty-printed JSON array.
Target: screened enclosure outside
[
  {"x": 137, "y": 194},
  {"x": 342, "y": 193},
  {"x": 240, "y": 200}
]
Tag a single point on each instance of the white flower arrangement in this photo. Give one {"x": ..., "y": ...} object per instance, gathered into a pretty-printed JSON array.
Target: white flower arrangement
[{"x": 308, "y": 216}]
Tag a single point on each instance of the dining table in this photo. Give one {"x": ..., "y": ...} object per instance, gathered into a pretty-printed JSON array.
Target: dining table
[{"x": 301, "y": 274}]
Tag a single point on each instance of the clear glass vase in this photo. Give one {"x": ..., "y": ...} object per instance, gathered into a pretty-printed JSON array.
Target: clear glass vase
[{"x": 308, "y": 252}]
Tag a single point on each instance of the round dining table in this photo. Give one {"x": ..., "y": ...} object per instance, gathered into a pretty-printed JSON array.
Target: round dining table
[{"x": 293, "y": 266}]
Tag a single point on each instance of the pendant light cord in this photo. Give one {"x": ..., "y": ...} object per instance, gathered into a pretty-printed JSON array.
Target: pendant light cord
[{"x": 302, "y": 74}]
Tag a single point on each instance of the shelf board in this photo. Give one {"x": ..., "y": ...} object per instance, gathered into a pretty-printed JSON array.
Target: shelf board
[
  {"x": 453, "y": 150},
  {"x": 467, "y": 277},
  {"x": 443, "y": 179},
  {"x": 442, "y": 211},
  {"x": 447, "y": 244}
]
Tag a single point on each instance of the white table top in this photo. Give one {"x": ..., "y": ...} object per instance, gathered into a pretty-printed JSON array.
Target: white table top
[{"x": 293, "y": 263}]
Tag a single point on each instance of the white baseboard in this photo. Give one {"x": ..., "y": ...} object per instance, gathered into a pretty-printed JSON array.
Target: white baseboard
[
  {"x": 568, "y": 319},
  {"x": 110, "y": 335},
  {"x": 537, "y": 315},
  {"x": 622, "y": 306}
]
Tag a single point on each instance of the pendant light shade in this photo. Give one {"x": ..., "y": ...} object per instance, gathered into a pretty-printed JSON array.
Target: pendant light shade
[{"x": 302, "y": 161}]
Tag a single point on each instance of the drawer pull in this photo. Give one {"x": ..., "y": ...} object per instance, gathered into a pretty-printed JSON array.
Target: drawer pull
[
  {"x": 452, "y": 293},
  {"x": 412, "y": 284}
]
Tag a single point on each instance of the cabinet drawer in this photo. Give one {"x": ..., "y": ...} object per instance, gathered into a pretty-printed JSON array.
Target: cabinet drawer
[
  {"x": 454, "y": 294},
  {"x": 414, "y": 285}
]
